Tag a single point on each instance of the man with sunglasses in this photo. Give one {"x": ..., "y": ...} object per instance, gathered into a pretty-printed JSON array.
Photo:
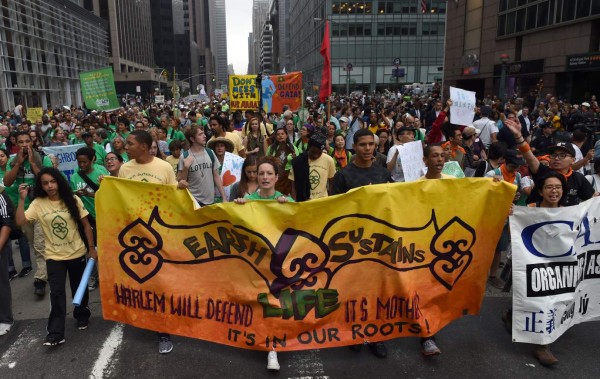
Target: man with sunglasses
[{"x": 562, "y": 157}]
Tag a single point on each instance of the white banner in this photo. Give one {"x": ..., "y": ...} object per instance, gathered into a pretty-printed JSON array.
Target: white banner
[
  {"x": 556, "y": 270},
  {"x": 411, "y": 156},
  {"x": 462, "y": 110},
  {"x": 231, "y": 172},
  {"x": 159, "y": 99},
  {"x": 67, "y": 160}
]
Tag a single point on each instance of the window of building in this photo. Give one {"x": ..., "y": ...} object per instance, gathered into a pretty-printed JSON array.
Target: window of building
[
  {"x": 542, "y": 15},
  {"x": 583, "y": 8},
  {"x": 510, "y": 22},
  {"x": 595, "y": 7},
  {"x": 568, "y": 10},
  {"x": 520, "y": 21},
  {"x": 531, "y": 17},
  {"x": 502, "y": 25}
]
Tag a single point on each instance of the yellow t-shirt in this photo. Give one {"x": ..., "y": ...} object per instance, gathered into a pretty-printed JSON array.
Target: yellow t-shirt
[
  {"x": 157, "y": 171},
  {"x": 319, "y": 172},
  {"x": 61, "y": 234},
  {"x": 173, "y": 162}
]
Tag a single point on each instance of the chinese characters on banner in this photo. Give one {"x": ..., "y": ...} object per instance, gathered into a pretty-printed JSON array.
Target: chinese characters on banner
[
  {"x": 556, "y": 270},
  {"x": 462, "y": 110}
]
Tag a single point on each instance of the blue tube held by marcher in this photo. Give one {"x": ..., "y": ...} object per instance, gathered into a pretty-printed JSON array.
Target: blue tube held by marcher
[{"x": 84, "y": 282}]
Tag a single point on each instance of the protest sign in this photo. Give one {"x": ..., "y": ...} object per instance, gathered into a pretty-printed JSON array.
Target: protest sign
[
  {"x": 328, "y": 272},
  {"x": 243, "y": 92},
  {"x": 67, "y": 159},
  {"x": 411, "y": 156},
  {"x": 556, "y": 270},
  {"x": 159, "y": 99},
  {"x": 462, "y": 110},
  {"x": 98, "y": 89},
  {"x": 231, "y": 172},
  {"x": 452, "y": 168},
  {"x": 280, "y": 90},
  {"x": 34, "y": 114}
]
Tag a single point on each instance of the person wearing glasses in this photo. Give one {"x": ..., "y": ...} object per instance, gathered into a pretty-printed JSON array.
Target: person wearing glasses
[
  {"x": 562, "y": 157},
  {"x": 113, "y": 163}
]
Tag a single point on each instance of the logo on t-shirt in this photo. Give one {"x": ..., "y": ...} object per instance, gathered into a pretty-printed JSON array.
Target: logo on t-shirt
[
  {"x": 59, "y": 227},
  {"x": 314, "y": 179}
]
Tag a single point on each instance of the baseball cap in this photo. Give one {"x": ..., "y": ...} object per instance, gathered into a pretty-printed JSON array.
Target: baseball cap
[
  {"x": 564, "y": 146},
  {"x": 585, "y": 104},
  {"x": 512, "y": 156}
]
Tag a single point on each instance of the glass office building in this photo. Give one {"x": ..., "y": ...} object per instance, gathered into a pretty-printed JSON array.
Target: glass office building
[
  {"x": 375, "y": 45},
  {"x": 44, "y": 45}
]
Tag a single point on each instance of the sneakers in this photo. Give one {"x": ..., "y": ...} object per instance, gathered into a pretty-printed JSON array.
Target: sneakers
[
  {"x": 496, "y": 282},
  {"x": 54, "y": 341},
  {"x": 378, "y": 349},
  {"x": 4, "y": 328},
  {"x": 272, "y": 363},
  {"x": 544, "y": 355},
  {"x": 24, "y": 272},
  {"x": 40, "y": 287},
  {"x": 164, "y": 344},
  {"x": 12, "y": 274},
  {"x": 93, "y": 283},
  {"x": 82, "y": 324},
  {"x": 429, "y": 347}
]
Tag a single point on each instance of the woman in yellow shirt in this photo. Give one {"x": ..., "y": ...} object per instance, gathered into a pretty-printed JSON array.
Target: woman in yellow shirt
[{"x": 59, "y": 211}]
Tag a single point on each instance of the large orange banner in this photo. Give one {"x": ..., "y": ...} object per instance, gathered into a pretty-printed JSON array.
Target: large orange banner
[
  {"x": 381, "y": 262},
  {"x": 280, "y": 90}
]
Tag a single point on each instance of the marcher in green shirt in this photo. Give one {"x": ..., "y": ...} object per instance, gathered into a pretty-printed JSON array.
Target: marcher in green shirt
[
  {"x": 89, "y": 141},
  {"x": 85, "y": 183},
  {"x": 268, "y": 174}
]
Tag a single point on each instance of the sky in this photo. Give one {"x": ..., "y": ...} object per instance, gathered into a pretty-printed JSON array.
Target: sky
[{"x": 239, "y": 25}]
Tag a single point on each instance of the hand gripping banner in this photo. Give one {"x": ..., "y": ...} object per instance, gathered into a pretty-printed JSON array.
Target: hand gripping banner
[{"x": 381, "y": 262}]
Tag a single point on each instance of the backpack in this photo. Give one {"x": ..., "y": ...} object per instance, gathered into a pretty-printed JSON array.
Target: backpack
[{"x": 210, "y": 152}]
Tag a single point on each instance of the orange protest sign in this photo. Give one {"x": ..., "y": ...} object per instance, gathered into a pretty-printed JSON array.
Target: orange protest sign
[
  {"x": 280, "y": 90},
  {"x": 329, "y": 272}
]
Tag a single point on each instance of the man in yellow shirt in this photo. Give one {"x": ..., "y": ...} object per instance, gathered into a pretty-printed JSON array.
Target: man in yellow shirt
[
  {"x": 219, "y": 129},
  {"x": 145, "y": 167}
]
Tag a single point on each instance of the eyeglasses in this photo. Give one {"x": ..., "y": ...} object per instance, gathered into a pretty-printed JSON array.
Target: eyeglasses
[
  {"x": 560, "y": 156},
  {"x": 110, "y": 159},
  {"x": 553, "y": 188}
]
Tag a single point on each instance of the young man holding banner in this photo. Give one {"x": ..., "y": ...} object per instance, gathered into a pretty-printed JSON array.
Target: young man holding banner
[{"x": 361, "y": 172}]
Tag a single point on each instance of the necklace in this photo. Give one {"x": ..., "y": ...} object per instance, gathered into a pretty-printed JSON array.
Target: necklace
[{"x": 197, "y": 163}]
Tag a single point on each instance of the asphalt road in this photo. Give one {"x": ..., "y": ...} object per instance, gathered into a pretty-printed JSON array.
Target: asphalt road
[{"x": 472, "y": 347}]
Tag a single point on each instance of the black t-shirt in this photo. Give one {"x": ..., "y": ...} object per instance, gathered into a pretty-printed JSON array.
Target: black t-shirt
[
  {"x": 506, "y": 136},
  {"x": 353, "y": 176},
  {"x": 579, "y": 188},
  {"x": 542, "y": 143}
]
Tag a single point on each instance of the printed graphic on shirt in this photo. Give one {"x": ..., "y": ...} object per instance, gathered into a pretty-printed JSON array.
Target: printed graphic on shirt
[{"x": 59, "y": 227}]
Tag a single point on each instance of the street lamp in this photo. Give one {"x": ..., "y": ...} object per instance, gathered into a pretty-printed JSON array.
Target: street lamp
[{"x": 504, "y": 59}]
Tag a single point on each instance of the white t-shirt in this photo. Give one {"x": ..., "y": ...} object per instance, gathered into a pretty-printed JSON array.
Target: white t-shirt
[
  {"x": 487, "y": 127},
  {"x": 397, "y": 172},
  {"x": 578, "y": 157}
]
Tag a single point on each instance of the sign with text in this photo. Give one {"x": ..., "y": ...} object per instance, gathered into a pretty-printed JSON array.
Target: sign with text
[
  {"x": 462, "y": 110},
  {"x": 98, "y": 89},
  {"x": 556, "y": 270},
  {"x": 67, "y": 159},
  {"x": 243, "y": 92},
  {"x": 411, "y": 156},
  {"x": 281, "y": 90},
  {"x": 328, "y": 272},
  {"x": 34, "y": 114}
]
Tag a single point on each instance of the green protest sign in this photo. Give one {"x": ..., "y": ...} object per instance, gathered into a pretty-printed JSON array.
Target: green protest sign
[{"x": 98, "y": 88}]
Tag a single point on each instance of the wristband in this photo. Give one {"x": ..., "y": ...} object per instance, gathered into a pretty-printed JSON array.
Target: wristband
[
  {"x": 521, "y": 141},
  {"x": 524, "y": 148}
]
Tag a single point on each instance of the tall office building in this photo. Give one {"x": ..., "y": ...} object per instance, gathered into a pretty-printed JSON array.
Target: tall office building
[
  {"x": 218, "y": 41},
  {"x": 279, "y": 18},
  {"x": 266, "y": 49},
  {"x": 369, "y": 38},
  {"x": 44, "y": 46},
  {"x": 260, "y": 12},
  {"x": 523, "y": 44},
  {"x": 250, "y": 53}
]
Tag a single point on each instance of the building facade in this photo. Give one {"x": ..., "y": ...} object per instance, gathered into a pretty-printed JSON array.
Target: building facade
[
  {"x": 375, "y": 45},
  {"x": 260, "y": 12},
  {"x": 44, "y": 45},
  {"x": 547, "y": 46},
  {"x": 266, "y": 49},
  {"x": 218, "y": 41},
  {"x": 279, "y": 18}
]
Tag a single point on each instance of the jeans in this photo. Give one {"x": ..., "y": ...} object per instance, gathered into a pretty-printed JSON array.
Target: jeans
[
  {"x": 25, "y": 257},
  {"x": 6, "y": 316}
]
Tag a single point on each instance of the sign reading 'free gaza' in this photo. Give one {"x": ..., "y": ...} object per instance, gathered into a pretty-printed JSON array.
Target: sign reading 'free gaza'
[
  {"x": 556, "y": 270},
  {"x": 329, "y": 272}
]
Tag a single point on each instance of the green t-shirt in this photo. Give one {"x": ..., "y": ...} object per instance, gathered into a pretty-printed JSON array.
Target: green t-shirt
[
  {"x": 28, "y": 178},
  {"x": 100, "y": 153},
  {"x": 256, "y": 196},
  {"x": 173, "y": 134},
  {"x": 77, "y": 184}
]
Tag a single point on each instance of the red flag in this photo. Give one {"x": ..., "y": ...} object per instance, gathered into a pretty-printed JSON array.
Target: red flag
[
  {"x": 423, "y": 6},
  {"x": 325, "y": 91}
]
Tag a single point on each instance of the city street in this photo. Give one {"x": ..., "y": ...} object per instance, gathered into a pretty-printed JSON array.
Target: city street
[{"x": 472, "y": 347}]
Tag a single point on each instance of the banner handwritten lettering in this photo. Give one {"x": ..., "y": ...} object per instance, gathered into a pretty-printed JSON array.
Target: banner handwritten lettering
[
  {"x": 290, "y": 276},
  {"x": 243, "y": 92},
  {"x": 67, "y": 159},
  {"x": 462, "y": 110},
  {"x": 281, "y": 90}
]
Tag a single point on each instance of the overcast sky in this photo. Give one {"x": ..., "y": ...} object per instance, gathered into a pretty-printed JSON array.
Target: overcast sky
[{"x": 239, "y": 25}]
